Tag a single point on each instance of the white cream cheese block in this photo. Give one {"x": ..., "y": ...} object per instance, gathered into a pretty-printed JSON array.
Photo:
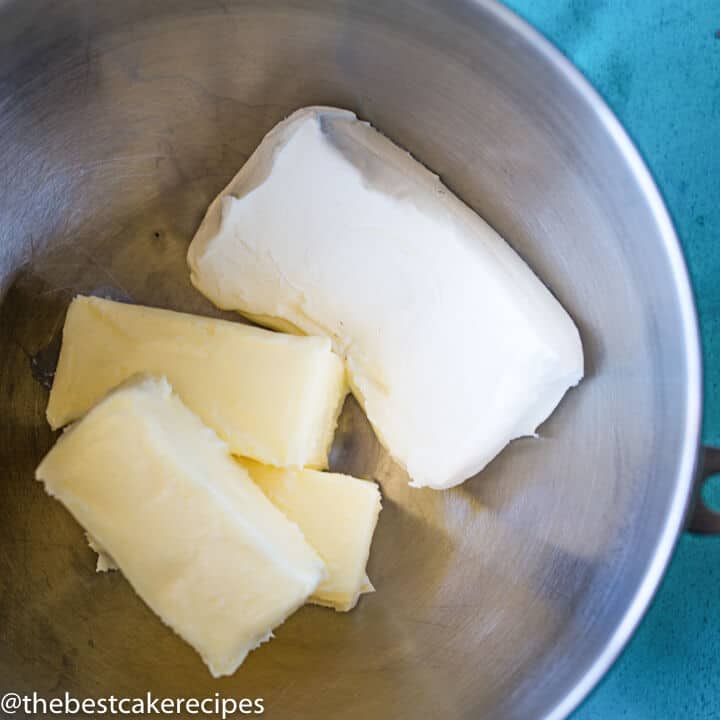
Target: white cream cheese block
[
  {"x": 270, "y": 396},
  {"x": 337, "y": 515},
  {"x": 200, "y": 543},
  {"x": 452, "y": 345}
]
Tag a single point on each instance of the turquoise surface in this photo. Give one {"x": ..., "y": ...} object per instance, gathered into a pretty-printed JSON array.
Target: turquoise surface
[{"x": 657, "y": 64}]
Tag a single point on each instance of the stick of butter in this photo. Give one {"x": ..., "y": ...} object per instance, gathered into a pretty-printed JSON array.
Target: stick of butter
[
  {"x": 452, "y": 345},
  {"x": 337, "y": 515},
  {"x": 271, "y": 397},
  {"x": 195, "y": 537}
]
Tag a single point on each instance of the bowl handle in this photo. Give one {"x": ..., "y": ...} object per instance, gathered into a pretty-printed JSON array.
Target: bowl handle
[{"x": 702, "y": 519}]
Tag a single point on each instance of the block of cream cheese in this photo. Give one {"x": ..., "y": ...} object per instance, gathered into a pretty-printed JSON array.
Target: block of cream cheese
[
  {"x": 195, "y": 537},
  {"x": 337, "y": 515},
  {"x": 452, "y": 345},
  {"x": 270, "y": 396}
]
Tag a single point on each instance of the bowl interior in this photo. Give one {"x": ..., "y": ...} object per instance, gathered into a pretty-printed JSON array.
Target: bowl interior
[{"x": 120, "y": 122}]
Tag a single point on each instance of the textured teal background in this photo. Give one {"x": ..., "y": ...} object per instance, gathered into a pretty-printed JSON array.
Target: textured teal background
[{"x": 657, "y": 63}]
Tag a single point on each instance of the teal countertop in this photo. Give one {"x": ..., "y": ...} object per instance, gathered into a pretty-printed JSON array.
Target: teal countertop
[{"x": 657, "y": 64}]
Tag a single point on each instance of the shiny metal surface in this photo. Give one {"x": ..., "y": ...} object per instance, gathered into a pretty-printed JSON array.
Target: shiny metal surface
[{"x": 505, "y": 598}]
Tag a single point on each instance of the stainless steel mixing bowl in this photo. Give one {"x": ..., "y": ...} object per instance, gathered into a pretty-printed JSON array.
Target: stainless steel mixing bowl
[{"x": 507, "y": 597}]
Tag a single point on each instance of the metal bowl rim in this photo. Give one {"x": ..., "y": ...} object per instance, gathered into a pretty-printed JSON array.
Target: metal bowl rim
[{"x": 675, "y": 519}]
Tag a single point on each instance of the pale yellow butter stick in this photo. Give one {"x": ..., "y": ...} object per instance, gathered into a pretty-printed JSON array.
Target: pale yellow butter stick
[
  {"x": 196, "y": 538},
  {"x": 337, "y": 515},
  {"x": 270, "y": 396}
]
